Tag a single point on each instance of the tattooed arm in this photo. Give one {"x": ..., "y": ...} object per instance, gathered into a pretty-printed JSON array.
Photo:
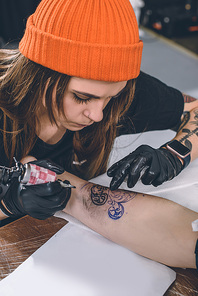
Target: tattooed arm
[
  {"x": 150, "y": 226},
  {"x": 187, "y": 133}
]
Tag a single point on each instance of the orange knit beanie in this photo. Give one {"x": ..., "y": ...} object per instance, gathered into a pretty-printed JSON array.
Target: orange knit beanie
[{"x": 93, "y": 39}]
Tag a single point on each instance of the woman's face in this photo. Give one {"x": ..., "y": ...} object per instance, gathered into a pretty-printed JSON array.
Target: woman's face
[{"x": 85, "y": 100}]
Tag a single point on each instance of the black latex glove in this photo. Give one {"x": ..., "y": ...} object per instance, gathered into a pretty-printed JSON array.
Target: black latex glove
[
  {"x": 48, "y": 164},
  {"x": 152, "y": 166},
  {"x": 39, "y": 201}
]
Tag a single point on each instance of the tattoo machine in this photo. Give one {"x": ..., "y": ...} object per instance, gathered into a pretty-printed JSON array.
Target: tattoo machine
[{"x": 28, "y": 174}]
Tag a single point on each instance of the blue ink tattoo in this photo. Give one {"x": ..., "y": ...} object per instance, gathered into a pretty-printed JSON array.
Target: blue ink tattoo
[
  {"x": 116, "y": 210},
  {"x": 100, "y": 195},
  {"x": 116, "y": 199}
]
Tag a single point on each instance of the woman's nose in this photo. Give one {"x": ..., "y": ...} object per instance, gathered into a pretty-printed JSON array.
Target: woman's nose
[{"x": 95, "y": 110}]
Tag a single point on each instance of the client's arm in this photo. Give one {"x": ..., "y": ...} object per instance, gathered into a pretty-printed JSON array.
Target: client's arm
[
  {"x": 150, "y": 226},
  {"x": 2, "y": 215}
]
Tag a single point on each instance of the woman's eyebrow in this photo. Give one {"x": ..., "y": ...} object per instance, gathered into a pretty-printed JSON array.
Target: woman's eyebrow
[
  {"x": 86, "y": 94},
  {"x": 94, "y": 96}
]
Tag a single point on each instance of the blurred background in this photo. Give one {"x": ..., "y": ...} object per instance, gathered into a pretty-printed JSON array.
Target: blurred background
[
  {"x": 168, "y": 28},
  {"x": 174, "y": 19},
  {"x": 13, "y": 16}
]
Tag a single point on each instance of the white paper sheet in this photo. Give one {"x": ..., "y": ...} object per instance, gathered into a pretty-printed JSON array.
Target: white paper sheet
[{"x": 79, "y": 262}]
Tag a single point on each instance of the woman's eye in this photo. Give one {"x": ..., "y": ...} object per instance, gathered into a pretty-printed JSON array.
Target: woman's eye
[{"x": 80, "y": 100}]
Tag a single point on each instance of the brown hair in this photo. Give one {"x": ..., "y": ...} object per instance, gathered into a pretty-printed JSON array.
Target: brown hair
[
  {"x": 23, "y": 84},
  {"x": 95, "y": 142}
]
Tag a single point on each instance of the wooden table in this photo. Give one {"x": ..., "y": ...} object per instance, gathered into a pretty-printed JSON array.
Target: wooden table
[{"x": 21, "y": 238}]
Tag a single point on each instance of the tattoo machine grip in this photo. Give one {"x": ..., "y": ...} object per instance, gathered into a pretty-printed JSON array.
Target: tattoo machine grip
[{"x": 35, "y": 174}]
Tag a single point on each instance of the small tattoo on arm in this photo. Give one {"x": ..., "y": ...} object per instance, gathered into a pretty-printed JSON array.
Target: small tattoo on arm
[
  {"x": 188, "y": 99},
  {"x": 189, "y": 133},
  {"x": 99, "y": 195},
  {"x": 114, "y": 200},
  {"x": 185, "y": 120},
  {"x": 195, "y": 117}
]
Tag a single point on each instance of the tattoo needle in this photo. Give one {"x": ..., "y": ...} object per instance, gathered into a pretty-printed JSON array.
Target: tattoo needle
[{"x": 66, "y": 185}]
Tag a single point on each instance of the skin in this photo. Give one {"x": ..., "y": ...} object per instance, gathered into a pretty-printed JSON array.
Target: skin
[
  {"x": 86, "y": 112},
  {"x": 143, "y": 226},
  {"x": 150, "y": 226},
  {"x": 187, "y": 133},
  {"x": 144, "y": 217},
  {"x": 79, "y": 114},
  {"x": 2, "y": 215}
]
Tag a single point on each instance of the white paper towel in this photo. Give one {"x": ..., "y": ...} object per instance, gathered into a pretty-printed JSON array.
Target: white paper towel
[{"x": 79, "y": 262}]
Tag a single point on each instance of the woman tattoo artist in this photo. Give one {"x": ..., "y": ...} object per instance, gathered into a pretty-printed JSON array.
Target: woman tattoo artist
[{"x": 71, "y": 88}]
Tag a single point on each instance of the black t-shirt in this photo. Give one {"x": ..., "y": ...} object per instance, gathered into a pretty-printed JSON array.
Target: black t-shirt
[{"x": 155, "y": 107}]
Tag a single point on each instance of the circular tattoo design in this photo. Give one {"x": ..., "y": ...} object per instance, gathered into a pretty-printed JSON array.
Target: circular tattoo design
[
  {"x": 116, "y": 211},
  {"x": 98, "y": 196}
]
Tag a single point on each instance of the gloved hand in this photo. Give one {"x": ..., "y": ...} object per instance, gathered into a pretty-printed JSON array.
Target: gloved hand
[
  {"x": 153, "y": 166},
  {"x": 50, "y": 165},
  {"x": 39, "y": 201}
]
